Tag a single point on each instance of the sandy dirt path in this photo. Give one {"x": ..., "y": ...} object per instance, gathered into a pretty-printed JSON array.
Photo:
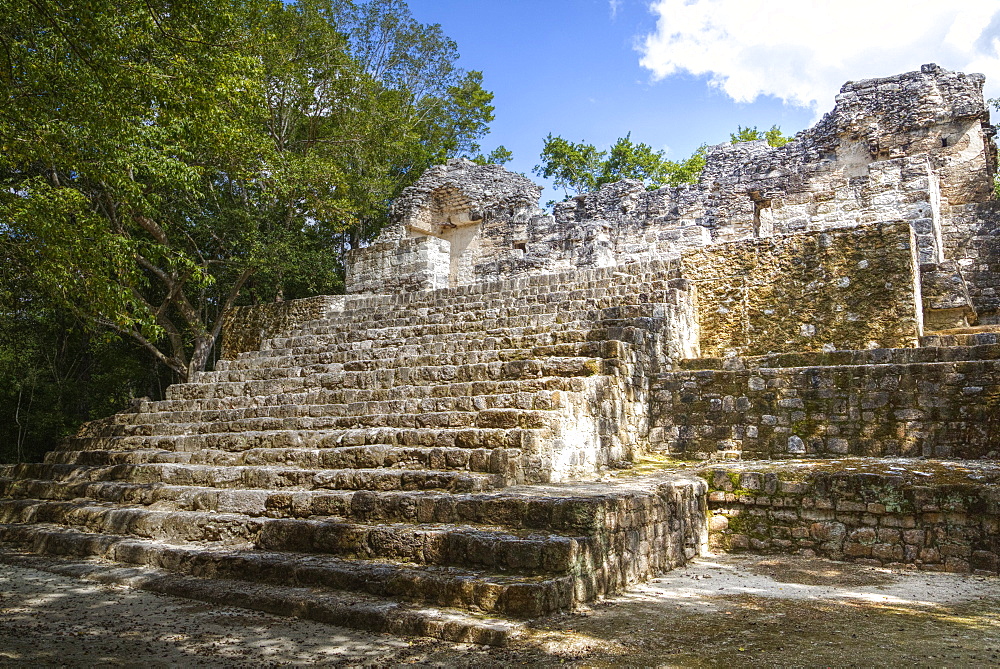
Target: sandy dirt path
[{"x": 722, "y": 611}]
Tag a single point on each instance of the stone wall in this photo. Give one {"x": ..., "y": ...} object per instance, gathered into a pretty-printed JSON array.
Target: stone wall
[
  {"x": 848, "y": 289},
  {"x": 923, "y": 402},
  {"x": 419, "y": 263},
  {"x": 751, "y": 190},
  {"x": 910, "y": 147},
  {"x": 891, "y": 518},
  {"x": 972, "y": 239},
  {"x": 244, "y": 328},
  {"x": 946, "y": 300}
]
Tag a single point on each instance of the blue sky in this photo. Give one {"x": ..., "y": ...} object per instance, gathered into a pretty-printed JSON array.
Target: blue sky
[{"x": 679, "y": 73}]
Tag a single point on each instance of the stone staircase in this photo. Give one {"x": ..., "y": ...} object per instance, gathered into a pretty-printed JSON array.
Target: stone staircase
[{"x": 406, "y": 456}]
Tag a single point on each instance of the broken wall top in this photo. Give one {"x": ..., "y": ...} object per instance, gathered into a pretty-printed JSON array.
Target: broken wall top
[
  {"x": 458, "y": 193},
  {"x": 932, "y": 112},
  {"x": 928, "y": 111}
]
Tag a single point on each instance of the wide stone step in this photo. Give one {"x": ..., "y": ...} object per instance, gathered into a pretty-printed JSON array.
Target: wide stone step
[
  {"x": 272, "y": 477},
  {"x": 489, "y": 438},
  {"x": 391, "y": 344},
  {"x": 345, "y": 609},
  {"x": 878, "y": 356},
  {"x": 389, "y": 377},
  {"x": 527, "y": 553},
  {"x": 487, "y": 418},
  {"x": 544, "y": 400},
  {"x": 401, "y": 326},
  {"x": 555, "y": 317},
  {"x": 962, "y": 338},
  {"x": 363, "y": 361},
  {"x": 427, "y": 356},
  {"x": 609, "y": 289},
  {"x": 497, "y": 298},
  {"x": 348, "y": 337},
  {"x": 517, "y": 511},
  {"x": 410, "y": 325},
  {"x": 591, "y": 303},
  {"x": 583, "y": 509},
  {"x": 434, "y": 544},
  {"x": 587, "y": 316},
  {"x": 140, "y": 522},
  {"x": 411, "y": 329},
  {"x": 521, "y": 596},
  {"x": 393, "y": 357},
  {"x": 541, "y": 388},
  {"x": 490, "y": 461},
  {"x": 478, "y": 336},
  {"x": 133, "y": 457},
  {"x": 464, "y": 429}
]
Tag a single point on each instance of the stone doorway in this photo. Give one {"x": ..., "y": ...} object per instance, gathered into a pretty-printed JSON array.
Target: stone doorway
[{"x": 452, "y": 218}]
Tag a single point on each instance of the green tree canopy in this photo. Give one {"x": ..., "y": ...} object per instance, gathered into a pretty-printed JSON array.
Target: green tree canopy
[
  {"x": 163, "y": 160},
  {"x": 749, "y": 134},
  {"x": 581, "y": 168},
  {"x": 498, "y": 156},
  {"x": 571, "y": 166},
  {"x": 627, "y": 160}
]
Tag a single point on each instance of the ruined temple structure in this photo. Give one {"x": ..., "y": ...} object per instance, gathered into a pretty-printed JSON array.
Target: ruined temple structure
[{"x": 511, "y": 413}]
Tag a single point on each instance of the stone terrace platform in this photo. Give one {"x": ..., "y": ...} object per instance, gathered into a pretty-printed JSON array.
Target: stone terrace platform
[
  {"x": 461, "y": 567},
  {"x": 937, "y": 515}
]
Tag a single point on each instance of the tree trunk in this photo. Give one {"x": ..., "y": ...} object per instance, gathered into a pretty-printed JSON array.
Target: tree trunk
[{"x": 201, "y": 354}]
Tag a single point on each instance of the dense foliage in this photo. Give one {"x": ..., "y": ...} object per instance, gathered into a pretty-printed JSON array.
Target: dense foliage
[
  {"x": 162, "y": 160},
  {"x": 773, "y": 136},
  {"x": 582, "y": 168}
]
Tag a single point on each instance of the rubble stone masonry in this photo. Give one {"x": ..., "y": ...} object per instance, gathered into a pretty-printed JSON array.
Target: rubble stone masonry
[
  {"x": 807, "y": 292},
  {"x": 928, "y": 402},
  {"x": 929, "y": 516}
]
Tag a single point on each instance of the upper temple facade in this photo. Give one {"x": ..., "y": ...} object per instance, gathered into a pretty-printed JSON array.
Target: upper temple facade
[{"x": 915, "y": 148}]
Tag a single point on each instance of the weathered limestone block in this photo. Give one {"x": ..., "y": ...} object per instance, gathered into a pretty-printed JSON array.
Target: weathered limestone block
[
  {"x": 419, "y": 263},
  {"x": 946, "y": 300},
  {"x": 454, "y": 218},
  {"x": 972, "y": 240}
]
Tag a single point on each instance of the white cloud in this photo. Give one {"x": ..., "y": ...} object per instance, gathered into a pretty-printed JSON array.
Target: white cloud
[
  {"x": 613, "y": 6},
  {"x": 802, "y": 51}
]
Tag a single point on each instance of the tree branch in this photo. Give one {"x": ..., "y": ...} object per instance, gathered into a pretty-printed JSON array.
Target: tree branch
[
  {"x": 153, "y": 228},
  {"x": 233, "y": 294},
  {"x": 172, "y": 363},
  {"x": 173, "y": 334}
]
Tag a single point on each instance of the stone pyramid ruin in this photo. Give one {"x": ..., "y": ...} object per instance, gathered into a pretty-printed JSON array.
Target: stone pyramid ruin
[{"x": 513, "y": 413}]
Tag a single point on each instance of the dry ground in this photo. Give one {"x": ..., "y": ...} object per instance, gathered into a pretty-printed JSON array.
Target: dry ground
[{"x": 720, "y": 611}]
